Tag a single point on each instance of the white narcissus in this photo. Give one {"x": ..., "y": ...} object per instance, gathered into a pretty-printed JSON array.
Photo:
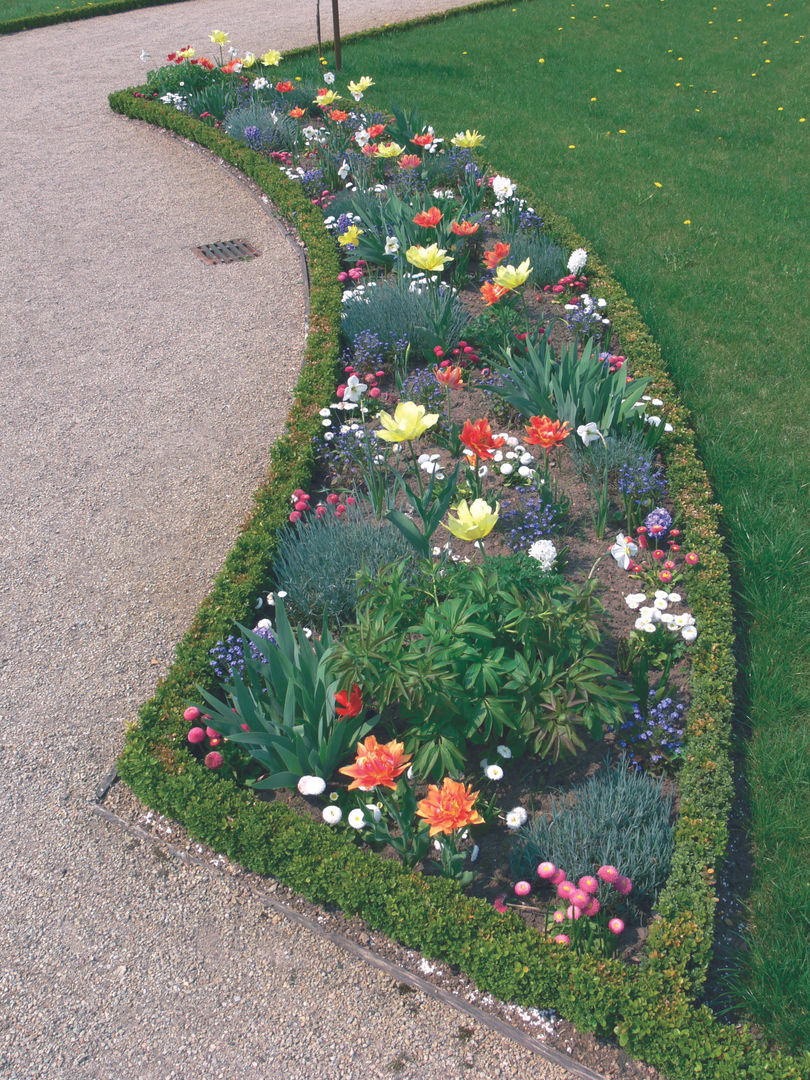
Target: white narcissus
[{"x": 623, "y": 551}]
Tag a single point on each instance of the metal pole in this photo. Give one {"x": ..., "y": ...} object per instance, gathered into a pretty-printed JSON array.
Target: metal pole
[{"x": 318, "y": 26}]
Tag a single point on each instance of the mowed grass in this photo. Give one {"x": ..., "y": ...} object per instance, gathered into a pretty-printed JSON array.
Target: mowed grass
[
  {"x": 61, "y": 10},
  {"x": 672, "y": 133}
]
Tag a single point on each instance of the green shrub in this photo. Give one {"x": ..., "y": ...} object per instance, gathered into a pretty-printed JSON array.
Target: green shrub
[
  {"x": 469, "y": 657},
  {"x": 318, "y": 560},
  {"x": 619, "y": 817}
]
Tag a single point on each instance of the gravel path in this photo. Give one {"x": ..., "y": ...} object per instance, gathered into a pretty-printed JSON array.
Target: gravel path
[{"x": 140, "y": 390}]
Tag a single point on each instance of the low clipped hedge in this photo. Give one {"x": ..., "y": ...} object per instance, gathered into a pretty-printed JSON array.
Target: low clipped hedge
[
  {"x": 86, "y": 11},
  {"x": 650, "y": 1009}
]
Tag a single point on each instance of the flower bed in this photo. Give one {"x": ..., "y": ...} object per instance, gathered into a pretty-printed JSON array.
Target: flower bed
[{"x": 650, "y": 1010}]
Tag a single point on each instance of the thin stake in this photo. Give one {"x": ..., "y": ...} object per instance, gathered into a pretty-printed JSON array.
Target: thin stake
[{"x": 336, "y": 28}]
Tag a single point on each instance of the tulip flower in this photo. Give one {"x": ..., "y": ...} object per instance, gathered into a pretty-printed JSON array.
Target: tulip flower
[
  {"x": 432, "y": 259},
  {"x": 349, "y": 704},
  {"x": 464, "y": 228},
  {"x": 508, "y": 277},
  {"x": 428, "y": 219},
  {"x": 358, "y": 88},
  {"x": 271, "y": 58},
  {"x": 219, "y": 37},
  {"x": 478, "y": 437},
  {"x": 409, "y": 421},
  {"x": 468, "y": 139},
  {"x": 325, "y": 97},
  {"x": 449, "y": 376},
  {"x": 473, "y": 522},
  {"x": 491, "y": 294},
  {"x": 377, "y": 765},
  {"x": 492, "y": 258},
  {"x": 389, "y": 150},
  {"x": 449, "y": 808},
  {"x": 546, "y": 433}
]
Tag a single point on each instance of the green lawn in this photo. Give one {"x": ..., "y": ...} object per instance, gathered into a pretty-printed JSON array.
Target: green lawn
[
  {"x": 672, "y": 134},
  {"x": 45, "y": 12}
]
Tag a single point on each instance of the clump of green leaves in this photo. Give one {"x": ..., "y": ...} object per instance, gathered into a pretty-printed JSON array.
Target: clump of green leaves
[
  {"x": 620, "y": 817},
  {"x": 469, "y": 654},
  {"x": 276, "y": 130},
  {"x": 282, "y": 708}
]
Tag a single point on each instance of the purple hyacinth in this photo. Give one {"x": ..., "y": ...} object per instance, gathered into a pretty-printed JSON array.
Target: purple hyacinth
[{"x": 658, "y": 522}]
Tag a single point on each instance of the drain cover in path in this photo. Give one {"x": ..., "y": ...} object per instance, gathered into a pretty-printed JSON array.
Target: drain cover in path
[{"x": 226, "y": 251}]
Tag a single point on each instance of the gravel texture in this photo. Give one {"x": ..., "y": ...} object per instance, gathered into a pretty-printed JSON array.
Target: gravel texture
[{"x": 140, "y": 391}]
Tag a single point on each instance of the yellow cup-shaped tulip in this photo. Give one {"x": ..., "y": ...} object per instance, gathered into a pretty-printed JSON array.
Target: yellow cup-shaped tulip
[
  {"x": 510, "y": 278},
  {"x": 362, "y": 84},
  {"x": 219, "y": 37},
  {"x": 408, "y": 422},
  {"x": 351, "y": 236},
  {"x": 271, "y": 58},
  {"x": 326, "y": 97},
  {"x": 473, "y": 522},
  {"x": 431, "y": 259},
  {"x": 389, "y": 150},
  {"x": 248, "y": 60},
  {"x": 468, "y": 139}
]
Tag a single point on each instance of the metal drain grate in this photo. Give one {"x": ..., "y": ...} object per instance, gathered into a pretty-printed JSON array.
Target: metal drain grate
[{"x": 226, "y": 251}]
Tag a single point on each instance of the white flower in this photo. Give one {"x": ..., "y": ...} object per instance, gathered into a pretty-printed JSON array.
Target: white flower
[
  {"x": 577, "y": 260},
  {"x": 354, "y": 390},
  {"x": 504, "y": 752},
  {"x": 375, "y": 811},
  {"x": 545, "y": 552},
  {"x": 328, "y": 77},
  {"x": 264, "y": 624},
  {"x": 260, "y": 83},
  {"x": 623, "y": 550},
  {"x": 332, "y": 815},
  {"x": 674, "y": 597},
  {"x": 309, "y": 132},
  {"x": 474, "y": 853},
  {"x": 526, "y": 458},
  {"x": 648, "y": 627},
  {"x": 668, "y": 427},
  {"x": 391, "y": 245},
  {"x": 356, "y": 818},
  {"x": 325, "y": 412},
  {"x": 438, "y": 845},
  {"x": 516, "y": 817},
  {"x": 660, "y": 603},
  {"x": 482, "y": 471},
  {"x": 689, "y": 633},
  {"x": 651, "y": 614},
  {"x": 589, "y": 432},
  {"x": 635, "y": 599},
  {"x": 525, "y": 471},
  {"x": 600, "y": 303},
  {"x": 657, "y": 402},
  {"x": 344, "y": 170},
  {"x": 507, "y": 469},
  {"x": 312, "y": 785},
  {"x": 656, "y": 420},
  {"x": 503, "y": 188},
  {"x": 494, "y": 772}
]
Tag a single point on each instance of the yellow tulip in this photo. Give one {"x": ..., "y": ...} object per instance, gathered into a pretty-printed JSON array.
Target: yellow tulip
[
  {"x": 186, "y": 53},
  {"x": 408, "y": 422},
  {"x": 248, "y": 60},
  {"x": 510, "y": 278},
  {"x": 271, "y": 58},
  {"x": 219, "y": 37},
  {"x": 468, "y": 139},
  {"x": 361, "y": 85},
  {"x": 431, "y": 258},
  {"x": 389, "y": 149},
  {"x": 351, "y": 236},
  {"x": 326, "y": 97},
  {"x": 473, "y": 522}
]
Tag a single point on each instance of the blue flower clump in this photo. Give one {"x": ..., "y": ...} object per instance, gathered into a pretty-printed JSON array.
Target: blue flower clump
[
  {"x": 642, "y": 483},
  {"x": 228, "y": 656},
  {"x": 526, "y": 517},
  {"x": 659, "y": 733}
]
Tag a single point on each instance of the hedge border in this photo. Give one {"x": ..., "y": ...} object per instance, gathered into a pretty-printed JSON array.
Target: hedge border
[
  {"x": 651, "y": 1010},
  {"x": 89, "y": 11}
]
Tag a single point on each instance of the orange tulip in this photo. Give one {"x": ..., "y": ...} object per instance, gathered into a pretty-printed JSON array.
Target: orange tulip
[
  {"x": 492, "y": 258},
  {"x": 449, "y": 376},
  {"x": 377, "y": 765},
  {"x": 374, "y": 130},
  {"x": 546, "y": 433},
  {"x": 464, "y": 228},
  {"x": 296, "y": 112},
  {"x": 478, "y": 437},
  {"x": 449, "y": 807},
  {"x": 422, "y": 140},
  {"x": 409, "y": 161},
  {"x": 429, "y": 219},
  {"x": 284, "y": 87},
  {"x": 491, "y": 294},
  {"x": 338, "y": 115}
]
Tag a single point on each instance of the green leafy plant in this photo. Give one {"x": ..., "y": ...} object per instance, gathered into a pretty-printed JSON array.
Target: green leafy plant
[
  {"x": 282, "y": 709},
  {"x": 576, "y": 388},
  {"x": 619, "y": 817},
  {"x": 468, "y": 657},
  {"x": 217, "y": 99}
]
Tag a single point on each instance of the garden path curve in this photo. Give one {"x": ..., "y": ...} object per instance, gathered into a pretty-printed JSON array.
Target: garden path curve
[{"x": 140, "y": 392}]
